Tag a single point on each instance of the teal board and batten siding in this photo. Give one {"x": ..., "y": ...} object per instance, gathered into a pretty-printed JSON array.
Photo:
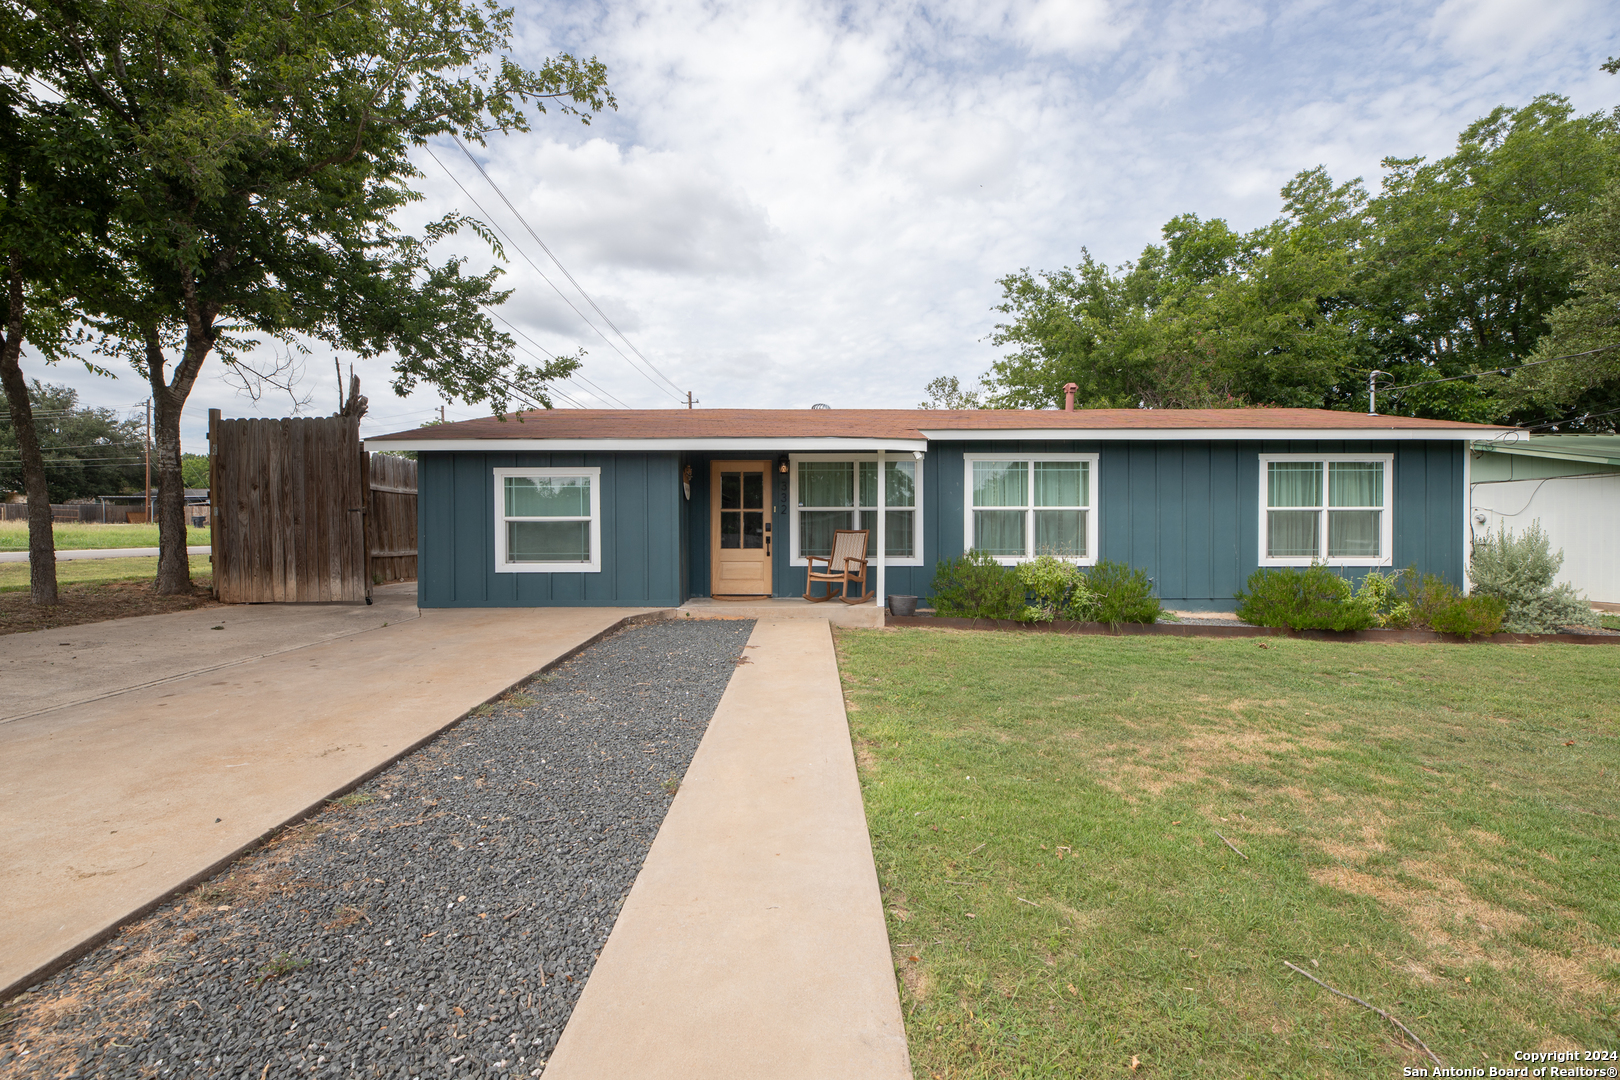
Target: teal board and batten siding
[
  {"x": 641, "y": 549},
  {"x": 1188, "y": 513}
]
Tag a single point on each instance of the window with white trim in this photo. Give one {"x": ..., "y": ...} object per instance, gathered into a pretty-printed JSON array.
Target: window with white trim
[
  {"x": 1019, "y": 506},
  {"x": 1326, "y": 508},
  {"x": 548, "y": 521},
  {"x": 831, "y": 493}
]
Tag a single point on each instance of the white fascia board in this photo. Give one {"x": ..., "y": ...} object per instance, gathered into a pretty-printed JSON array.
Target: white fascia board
[
  {"x": 773, "y": 445},
  {"x": 1203, "y": 434}
]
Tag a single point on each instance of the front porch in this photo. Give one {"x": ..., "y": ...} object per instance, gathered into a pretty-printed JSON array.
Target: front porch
[{"x": 866, "y": 614}]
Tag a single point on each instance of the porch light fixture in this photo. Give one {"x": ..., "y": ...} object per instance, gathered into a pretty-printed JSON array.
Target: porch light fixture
[{"x": 782, "y": 464}]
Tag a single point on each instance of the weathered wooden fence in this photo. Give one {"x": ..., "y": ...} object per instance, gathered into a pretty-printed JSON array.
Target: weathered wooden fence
[
  {"x": 290, "y": 499},
  {"x": 391, "y": 519}
]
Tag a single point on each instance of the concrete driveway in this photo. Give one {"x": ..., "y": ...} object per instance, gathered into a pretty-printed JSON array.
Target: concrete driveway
[{"x": 143, "y": 754}]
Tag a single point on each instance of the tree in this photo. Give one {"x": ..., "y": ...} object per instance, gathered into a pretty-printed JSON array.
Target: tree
[
  {"x": 1454, "y": 268},
  {"x": 1460, "y": 273},
  {"x": 85, "y": 451},
  {"x": 946, "y": 392},
  {"x": 261, "y": 150},
  {"x": 50, "y": 200}
]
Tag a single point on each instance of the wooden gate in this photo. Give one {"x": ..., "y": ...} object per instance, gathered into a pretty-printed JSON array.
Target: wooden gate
[
  {"x": 290, "y": 499},
  {"x": 391, "y": 519}
]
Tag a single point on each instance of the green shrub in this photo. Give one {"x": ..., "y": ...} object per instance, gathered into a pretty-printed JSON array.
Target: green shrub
[
  {"x": 975, "y": 586},
  {"x": 1122, "y": 594},
  {"x": 1428, "y": 598},
  {"x": 1055, "y": 589},
  {"x": 1311, "y": 599},
  {"x": 1470, "y": 616},
  {"x": 1519, "y": 571}
]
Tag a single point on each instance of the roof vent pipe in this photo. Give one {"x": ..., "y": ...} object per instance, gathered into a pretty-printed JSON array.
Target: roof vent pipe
[{"x": 1068, "y": 396}]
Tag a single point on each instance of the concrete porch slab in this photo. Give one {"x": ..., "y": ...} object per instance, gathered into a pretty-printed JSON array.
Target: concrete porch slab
[
  {"x": 836, "y": 612},
  {"x": 753, "y": 942}
]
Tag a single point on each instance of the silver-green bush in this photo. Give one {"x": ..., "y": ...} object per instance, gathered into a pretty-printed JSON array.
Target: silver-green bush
[{"x": 1519, "y": 570}]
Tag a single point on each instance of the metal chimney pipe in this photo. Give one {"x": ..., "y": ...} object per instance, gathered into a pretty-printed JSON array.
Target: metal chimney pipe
[{"x": 1068, "y": 396}]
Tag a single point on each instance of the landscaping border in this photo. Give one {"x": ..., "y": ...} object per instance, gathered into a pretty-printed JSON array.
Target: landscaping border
[{"x": 942, "y": 622}]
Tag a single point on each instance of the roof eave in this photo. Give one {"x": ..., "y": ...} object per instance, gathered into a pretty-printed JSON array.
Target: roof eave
[{"x": 773, "y": 445}]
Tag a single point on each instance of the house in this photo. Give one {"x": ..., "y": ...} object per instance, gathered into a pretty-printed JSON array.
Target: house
[
  {"x": 653, "y": 507},
  {"x": 1571, "y": 484}
]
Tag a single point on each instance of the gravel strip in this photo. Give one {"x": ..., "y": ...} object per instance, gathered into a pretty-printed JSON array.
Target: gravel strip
[{"x": 439, "y": 922}]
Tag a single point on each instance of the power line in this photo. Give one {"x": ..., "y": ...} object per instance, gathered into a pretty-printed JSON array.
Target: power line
[
  {"x": 1498, "y": 371},
  {"x": 575, "y": 376},
  {"x": 515, "y": 247},
  {"x": 672, "y": 389}
]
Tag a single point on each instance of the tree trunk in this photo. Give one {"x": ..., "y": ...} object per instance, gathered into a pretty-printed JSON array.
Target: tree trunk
[
  {"x": 41, "y": 539},
  {"x": 174, "y": 565}
]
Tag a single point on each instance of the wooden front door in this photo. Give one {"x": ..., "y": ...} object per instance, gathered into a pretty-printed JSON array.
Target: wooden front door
[{"x": 740, "y": 528}]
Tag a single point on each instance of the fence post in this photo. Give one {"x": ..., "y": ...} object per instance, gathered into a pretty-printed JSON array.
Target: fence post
[{"x": 213, "y": 503}]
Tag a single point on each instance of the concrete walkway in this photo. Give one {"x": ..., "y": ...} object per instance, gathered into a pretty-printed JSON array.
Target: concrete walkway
[
  {"x": 101, "y": 553},
  {"x": 753, "y": 942},
  {"x": 110, "y": 805}
]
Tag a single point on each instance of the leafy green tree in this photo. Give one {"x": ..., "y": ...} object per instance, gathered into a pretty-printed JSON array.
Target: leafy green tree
[
  {"x": 194, "y": 470},
  {"x": 1454, "y": 268},
  {"x": 85, "y": 451},
  {"x": 260, "y": 152},
  {"x": 1575, "y": 368},
  {"x": 1461, "y": 272}
]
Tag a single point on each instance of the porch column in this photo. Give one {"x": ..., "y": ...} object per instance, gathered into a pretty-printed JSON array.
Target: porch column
[{"x": 882, "y": 529}]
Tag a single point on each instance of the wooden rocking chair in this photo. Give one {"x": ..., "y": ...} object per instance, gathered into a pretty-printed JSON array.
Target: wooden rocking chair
[{"x": 846, "y": 564}]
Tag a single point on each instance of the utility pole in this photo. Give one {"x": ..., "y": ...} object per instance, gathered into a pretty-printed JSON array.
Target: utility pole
[
  {"x": 690, "y": 401},
  {"x": 441, "y": 414},
  {"x": 147, "y": 493}
]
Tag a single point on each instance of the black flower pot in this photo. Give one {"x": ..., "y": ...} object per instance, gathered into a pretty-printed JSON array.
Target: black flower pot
[{"x": 902, "y": 605}]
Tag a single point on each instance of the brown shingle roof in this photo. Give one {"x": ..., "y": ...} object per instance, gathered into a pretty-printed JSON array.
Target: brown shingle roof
[{"x": 898, "y": 423}]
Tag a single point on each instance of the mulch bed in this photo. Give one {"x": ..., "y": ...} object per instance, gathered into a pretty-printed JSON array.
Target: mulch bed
[
  {"x": 96, "y": 603},
  {"x": 439, "y": 922},
  {"x": 1243, "y": 631}
]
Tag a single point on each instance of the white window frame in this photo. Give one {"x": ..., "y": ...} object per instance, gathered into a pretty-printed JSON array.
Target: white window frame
[
  {"x": 1088, "y": 559},
  {"x": 1386, "y": 520},
  {"x": 594, "y": 566},
  {"x": 797, "y": 559}
]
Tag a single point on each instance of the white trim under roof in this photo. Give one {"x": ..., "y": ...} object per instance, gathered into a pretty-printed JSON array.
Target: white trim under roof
[
  {"x": 1212, "y": 434},
  {"x": 741, "y": 443}
]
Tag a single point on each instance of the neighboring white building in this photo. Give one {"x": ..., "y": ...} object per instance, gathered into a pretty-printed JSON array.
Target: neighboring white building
[{"x": 1571, "y": 484}]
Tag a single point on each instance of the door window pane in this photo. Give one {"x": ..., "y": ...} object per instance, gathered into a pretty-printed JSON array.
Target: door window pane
[
  {"x": 1355, "y": 483},
  {"x": 1000, "y": 483},
  {"x": 1293, "y": 534},
  {"x": 1354, "y": 534},
  {"x": 548, "y": 541},
  {"x": 1062, "y": 483},
  {"x": 730, "y": 491},
  {"x": 731, "y": 528},
  {"x": 999, "y": 532},
  {"x": 548, "y": 496},
  {"x": 1294, "y": 483},
  {"x": 826, "y": 483},
  {"x": 753, "y": 493},
  {"x": 753, "y": 529},
  {"x": 1060, "y": 532}
]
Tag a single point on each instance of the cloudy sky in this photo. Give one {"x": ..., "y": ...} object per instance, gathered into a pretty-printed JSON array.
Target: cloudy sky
[{"x": 803, "y": 202}]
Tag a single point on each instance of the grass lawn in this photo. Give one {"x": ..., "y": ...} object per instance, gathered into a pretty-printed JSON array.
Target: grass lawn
[
  {"x": 14, "y": 536},
  {"x": 1432, "y": 828},
  {"x": 14, "y": 575}
]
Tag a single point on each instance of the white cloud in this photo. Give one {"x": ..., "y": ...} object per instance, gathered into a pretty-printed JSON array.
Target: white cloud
[{"x": 804, "y": 201}]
